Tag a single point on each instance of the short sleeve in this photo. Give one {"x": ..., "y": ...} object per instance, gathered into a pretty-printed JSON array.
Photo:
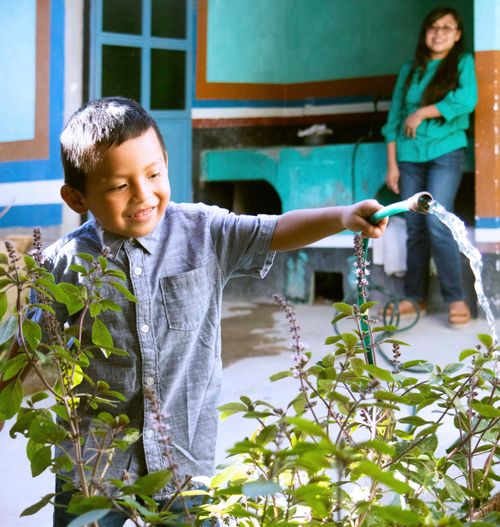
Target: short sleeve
[{"x": 242, "y": 243}]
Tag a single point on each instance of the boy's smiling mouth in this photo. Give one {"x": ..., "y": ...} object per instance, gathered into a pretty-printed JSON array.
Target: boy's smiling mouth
[{"x": 143, "y": 214}]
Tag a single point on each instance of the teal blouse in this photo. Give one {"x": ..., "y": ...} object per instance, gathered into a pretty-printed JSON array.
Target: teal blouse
[{"x": 434, "y": 137}]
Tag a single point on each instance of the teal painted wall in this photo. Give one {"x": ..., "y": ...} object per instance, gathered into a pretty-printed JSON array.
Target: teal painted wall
[
  {"x": 245, "y": 41},
  {"x": 288, "y": 41}
]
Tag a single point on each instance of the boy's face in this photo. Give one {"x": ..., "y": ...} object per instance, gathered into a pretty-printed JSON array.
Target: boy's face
[{"x": 129, "y": 190}]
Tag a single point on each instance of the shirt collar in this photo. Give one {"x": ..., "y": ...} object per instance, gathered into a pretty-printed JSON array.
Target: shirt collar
[{"x": 115, "y": 242}]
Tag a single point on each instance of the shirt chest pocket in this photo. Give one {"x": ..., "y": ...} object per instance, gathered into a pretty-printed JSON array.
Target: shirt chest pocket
[{"x": 186, "y": 298}]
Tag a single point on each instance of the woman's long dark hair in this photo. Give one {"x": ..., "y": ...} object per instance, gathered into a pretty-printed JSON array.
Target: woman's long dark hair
[{"x": 446, "y": 76}]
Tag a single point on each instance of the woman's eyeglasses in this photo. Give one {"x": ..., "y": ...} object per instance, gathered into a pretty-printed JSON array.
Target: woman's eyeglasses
[{"x": 446, "y": 30}]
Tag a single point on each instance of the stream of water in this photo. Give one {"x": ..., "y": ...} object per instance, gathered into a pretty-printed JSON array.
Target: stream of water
[{"x": 457, "y": 228}]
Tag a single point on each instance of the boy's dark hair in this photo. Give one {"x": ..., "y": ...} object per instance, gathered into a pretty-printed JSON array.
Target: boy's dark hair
[
  {"x": 95, "y": 127},
  {"x": 446, "y": 77}
]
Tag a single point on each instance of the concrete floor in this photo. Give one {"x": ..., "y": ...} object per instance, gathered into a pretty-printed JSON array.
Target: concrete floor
[{"x": 255, "y": 345}]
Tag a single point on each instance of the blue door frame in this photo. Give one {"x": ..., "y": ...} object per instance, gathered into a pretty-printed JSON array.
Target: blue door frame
[{"x": 175, "y": 125}]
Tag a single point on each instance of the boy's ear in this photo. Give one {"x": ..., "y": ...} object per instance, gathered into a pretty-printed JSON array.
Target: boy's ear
[{"x": 74, "y": 199}]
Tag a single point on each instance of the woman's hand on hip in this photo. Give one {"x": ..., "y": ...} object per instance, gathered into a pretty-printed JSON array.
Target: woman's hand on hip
[
  {"x": 411, "y": 124},
  {"x": 392, "y": 179}
]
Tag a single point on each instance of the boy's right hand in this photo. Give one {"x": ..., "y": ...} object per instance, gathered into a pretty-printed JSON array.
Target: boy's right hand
[{"x": 392, "y": 179}]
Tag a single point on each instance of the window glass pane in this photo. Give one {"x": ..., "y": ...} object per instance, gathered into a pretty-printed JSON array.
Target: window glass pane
[
  {"x": 168, "y": 18},
  {"x": 167, "y": 79},
  {"x": 121, "y": 71},
  {"x": 122, "y": 16}
]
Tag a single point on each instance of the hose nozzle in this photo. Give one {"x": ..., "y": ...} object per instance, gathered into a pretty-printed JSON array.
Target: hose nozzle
[{"x": 419, "y": 202}]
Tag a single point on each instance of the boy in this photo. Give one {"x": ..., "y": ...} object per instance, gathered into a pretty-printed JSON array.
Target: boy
[{"x": 177, "y": 258}]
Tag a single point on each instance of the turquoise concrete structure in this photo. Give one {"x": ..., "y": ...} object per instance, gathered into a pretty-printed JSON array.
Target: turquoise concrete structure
[
  {"x": 313, "y": 40},
  {"x": 304, "y": 176}
]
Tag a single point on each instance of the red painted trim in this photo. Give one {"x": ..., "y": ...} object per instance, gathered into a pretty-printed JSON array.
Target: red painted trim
[{"x": 287, "y": 121}]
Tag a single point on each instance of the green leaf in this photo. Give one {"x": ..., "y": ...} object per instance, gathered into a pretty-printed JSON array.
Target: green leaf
[
  {"x": 280, "y": 375},
  {"x": 390, "y": 396},
  {"x": 333, "y": 339},
  {"x": 454, "y": 489},
  {"x": 107, "y": 304},
  {"x": 394, "y": 341},
  {"x": 86, "y": 256},
  {"x": 39, "y": 396},
  {"x": 467, "y": 353},
  {"x": 103, "y": 263},
  {"x": 32, "y": 509},
  {"x": 78, "y": 269},
  {"x": 343, "y": 308},
  {"x": 3, "y": 304},
  {"x": 231, "y": 408},
  {"x": 88, "y": 518},
  {"x": 367, "y": 468},
  {"x": 11, "y": 398},
  {"x": 123, "y": 290},
  {"x": 449, "y": 369},
  {"x": 350, "y": 340},
  {"x": 260, "y": 487},
  {"x": 14, "y": 366},
  {"x": 50, "y": 287},
  {"x": 367, "y": 305},
  {"x": 23, "y": 421},
  {"x": 486, "y": 339},
  {"x": 44, "y": 430},
  {"x": 150, "y": 484},
  {"x": 267, "y": 434},
  {"x": 486, "y": 410},
  {"x": 397, "y": 515},
  {"x": 379, "y": 373},
  {"x": 72, "y": 297},
  {"x": 100, "y": 334},
  {"x": 8, "y": 329},
  {"x": 380, "y": 446},
  {"x": 80, "y": 505},
  {"x": 116, "y": 274},
  {"x": 32, "y": 333},
  {"x": 309, "y": 427},
  {"x": 41, "y": 460},
  {"x": 95, "y": 310},
  {"x": 229, "y": 473}
]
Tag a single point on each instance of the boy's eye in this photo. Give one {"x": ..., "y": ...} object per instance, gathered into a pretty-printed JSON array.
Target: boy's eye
[
  {"x": 118, "y": 187},
  {"x": 154, "y": 176}
]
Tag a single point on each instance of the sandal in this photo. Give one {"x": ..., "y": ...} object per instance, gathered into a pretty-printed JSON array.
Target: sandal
[
  {"x": 406, "y": 308},
  {"x": 458, "y": 314}
]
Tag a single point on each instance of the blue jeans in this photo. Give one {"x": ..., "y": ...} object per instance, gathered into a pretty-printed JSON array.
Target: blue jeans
[
  {"x": 426, "y": 234},
  {"x": 116, "y": 518}
]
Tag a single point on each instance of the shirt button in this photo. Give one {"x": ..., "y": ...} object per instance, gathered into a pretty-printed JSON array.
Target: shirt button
[
  {"x": 150, "y": 380},
  {"x": 149, "y": 434},
  {"x": 138, "y": 271},
  {"x": 144, "y": 328}
]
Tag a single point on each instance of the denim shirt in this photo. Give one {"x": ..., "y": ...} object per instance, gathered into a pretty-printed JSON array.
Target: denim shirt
[{"x": 172, "y": 333}]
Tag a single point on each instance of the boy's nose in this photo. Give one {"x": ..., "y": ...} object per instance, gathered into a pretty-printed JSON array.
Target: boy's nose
[{"x": 141, "y": 192}]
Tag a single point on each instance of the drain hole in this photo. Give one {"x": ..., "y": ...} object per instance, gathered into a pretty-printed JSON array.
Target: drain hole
[{"x": 328, "y": 287}]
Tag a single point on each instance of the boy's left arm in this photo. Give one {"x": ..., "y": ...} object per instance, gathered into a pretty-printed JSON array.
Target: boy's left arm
[{"x": 299, "y": 228}]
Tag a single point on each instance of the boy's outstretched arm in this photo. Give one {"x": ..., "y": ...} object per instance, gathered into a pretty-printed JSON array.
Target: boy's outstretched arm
[{"x": 299, "y": 228}]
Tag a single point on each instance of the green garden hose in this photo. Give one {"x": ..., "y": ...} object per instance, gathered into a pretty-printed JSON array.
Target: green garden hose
[{"x": 420, "y": 203}]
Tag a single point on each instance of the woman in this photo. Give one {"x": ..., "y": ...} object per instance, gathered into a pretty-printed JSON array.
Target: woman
[{"x": 425, "y": 134}]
